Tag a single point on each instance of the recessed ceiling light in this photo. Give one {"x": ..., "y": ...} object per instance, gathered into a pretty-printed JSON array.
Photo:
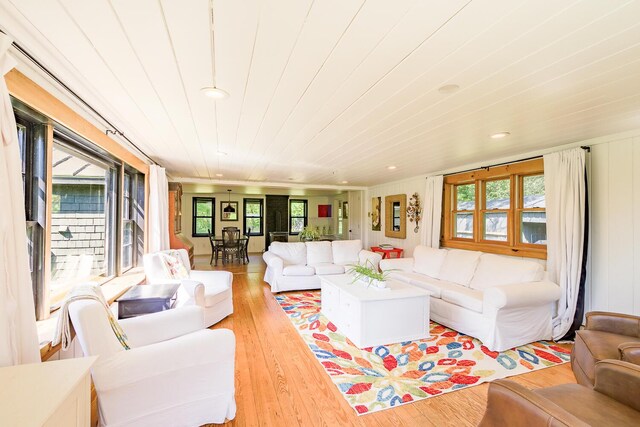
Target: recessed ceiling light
[
  {"x": 214, "y": 92},
  {"x": 219, "y": 175},
  {"x": 220, "y": 153},
  {"x": 391, "y": 167},
  {"x": 344, "y": 182},
  {"x": 499, "y": 135},
  {"x": 448, "y": 89}
]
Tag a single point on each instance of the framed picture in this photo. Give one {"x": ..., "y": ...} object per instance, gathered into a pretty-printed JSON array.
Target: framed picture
[
  {"x": 324, "y": 211},
  {"x": 375, "y": 213},
  {"x": 228, "y": 211}
]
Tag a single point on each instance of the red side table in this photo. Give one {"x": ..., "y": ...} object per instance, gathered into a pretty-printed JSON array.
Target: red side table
[{"x": 386, "y": 252}]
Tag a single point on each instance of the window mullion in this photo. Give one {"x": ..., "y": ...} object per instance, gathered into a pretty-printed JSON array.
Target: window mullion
[
  {"x": 478, "y": 227},
  {"x": 513, "y": 203}
]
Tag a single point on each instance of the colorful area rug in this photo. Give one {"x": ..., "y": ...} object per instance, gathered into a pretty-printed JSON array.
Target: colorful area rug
[{"x": 376, "y": 378}]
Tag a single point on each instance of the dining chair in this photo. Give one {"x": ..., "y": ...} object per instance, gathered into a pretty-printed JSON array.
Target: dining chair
[
  {"x": 215, "y": 248},
  {"x": 245, "y": 246},
  {"x": 230, "y": 243}
]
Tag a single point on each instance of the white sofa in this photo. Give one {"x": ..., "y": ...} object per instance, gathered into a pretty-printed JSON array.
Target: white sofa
[
  {"x": 503, "y": 301},
  {"x": 298, "y": 266}
]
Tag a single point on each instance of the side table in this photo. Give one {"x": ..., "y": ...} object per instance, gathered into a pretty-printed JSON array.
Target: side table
[
  {"x": 387, "y": 252},
  {"x": 145, "y": 299}
]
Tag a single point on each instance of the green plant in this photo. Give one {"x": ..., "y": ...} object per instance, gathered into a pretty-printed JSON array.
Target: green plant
[
  {"x": 367, "y": 272},
  {"x": 309, "y": 233}
]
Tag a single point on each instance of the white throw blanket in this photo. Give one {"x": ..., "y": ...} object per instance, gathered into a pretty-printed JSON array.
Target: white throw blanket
[{"x": 90, "y": 291}]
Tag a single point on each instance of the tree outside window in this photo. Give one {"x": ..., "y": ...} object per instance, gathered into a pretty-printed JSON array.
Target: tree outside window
[
  {"x": 297, "y": 216},
  {"x": 203, "y": 216},
  {"x": 253, "y": 215}
]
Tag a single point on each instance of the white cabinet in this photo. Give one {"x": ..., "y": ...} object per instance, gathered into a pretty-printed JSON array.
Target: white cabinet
[
  {"x": 50, "y": 394},
  {"x": 371, "y": 316}
]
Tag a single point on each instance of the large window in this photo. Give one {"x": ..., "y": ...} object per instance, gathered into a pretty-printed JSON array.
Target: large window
[
  {"x": 83, "y": 217},
  {"x": 127, "y": 222},
  {"x": 203, "y": 216},
  {"x": 252, "y": 216},
  {"x": 84, "y": 208},
  {"x": 132, "y": 219},
  {"x": 139, "y": 216},
  {"x": 499, "y": 209},
  {"x": 298, "y": 215},
  {"x": 31, "y": 132}
]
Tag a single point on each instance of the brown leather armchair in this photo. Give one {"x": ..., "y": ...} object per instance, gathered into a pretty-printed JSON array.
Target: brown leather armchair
[
  {"x": 606, "y": 336},
  {"x": 614, "y": 401}
]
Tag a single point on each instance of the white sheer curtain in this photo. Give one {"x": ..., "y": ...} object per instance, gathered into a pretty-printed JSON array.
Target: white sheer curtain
[
  {"x": 18, "y": 333},
  {"x": 432, "y": 212},
  {"x": 158, "y": 209},
  {"x": 565, "y": 188}
]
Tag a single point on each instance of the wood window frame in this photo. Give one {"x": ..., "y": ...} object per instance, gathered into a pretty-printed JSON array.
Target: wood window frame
[
  {"x": 513, "y": 246},
  {"x": 455, "y": 210},
  {"x": 509, "y": 212},
  {"x": 520, "y": 209}
]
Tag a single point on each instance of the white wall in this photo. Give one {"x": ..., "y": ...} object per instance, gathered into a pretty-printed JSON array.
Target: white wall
[
  {"x": 615, "y": 227},
  {"x": 408, "y": 187},
  {"x": 313, "y": 220}
]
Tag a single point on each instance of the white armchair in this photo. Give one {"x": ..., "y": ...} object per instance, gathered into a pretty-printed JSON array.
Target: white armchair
[
  {"x": 210, "y": 290},
  {"x": 176, "y": 373}
]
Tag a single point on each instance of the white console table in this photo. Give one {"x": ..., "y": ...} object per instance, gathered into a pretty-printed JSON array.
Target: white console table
[
  {"x": 370, "y": 316},
  {"x": 51, "y": 394}
]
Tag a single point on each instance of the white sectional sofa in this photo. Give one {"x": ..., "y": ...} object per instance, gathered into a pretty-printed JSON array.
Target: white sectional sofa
[
  {"x": 297, "y": 266},
  {"x": 503, "y": 301}
]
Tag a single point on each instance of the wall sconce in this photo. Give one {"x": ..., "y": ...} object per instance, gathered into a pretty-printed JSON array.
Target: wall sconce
[{"x": 414, "y": 211}]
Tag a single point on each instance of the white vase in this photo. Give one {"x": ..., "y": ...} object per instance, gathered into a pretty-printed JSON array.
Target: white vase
[
  {"x": 379, "y": 284},
  {"x": 373, "y": 283}
]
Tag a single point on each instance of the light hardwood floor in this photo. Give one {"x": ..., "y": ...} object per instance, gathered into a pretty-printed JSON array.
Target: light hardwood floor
[{"x": 280, "y": 383}]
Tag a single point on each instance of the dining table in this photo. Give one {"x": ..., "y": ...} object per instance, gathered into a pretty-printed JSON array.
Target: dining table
[{"x": 218, "y": 241}]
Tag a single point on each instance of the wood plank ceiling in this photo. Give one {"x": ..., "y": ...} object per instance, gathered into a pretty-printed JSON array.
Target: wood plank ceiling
[{"x": 326, "y": 91}]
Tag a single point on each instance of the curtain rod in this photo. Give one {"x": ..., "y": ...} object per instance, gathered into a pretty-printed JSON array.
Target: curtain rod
[
  {"x": 584, "y": 147},
  {"x": 114, "y": 129}
]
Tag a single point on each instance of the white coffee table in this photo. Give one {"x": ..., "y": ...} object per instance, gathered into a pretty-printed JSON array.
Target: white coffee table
[{"x": 371, "y": 316}]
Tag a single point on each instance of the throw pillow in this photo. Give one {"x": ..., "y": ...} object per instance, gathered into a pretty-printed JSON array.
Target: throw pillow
[{"x": 173, "y": 265}]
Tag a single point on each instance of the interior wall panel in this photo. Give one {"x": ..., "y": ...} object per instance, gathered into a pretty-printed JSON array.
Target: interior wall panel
[
  {"x": 636, "y": 229},
  {"x": 599, "y": 227},
  {"x": 620, "y": 239},
  {"x": 615, "y": 183}
]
